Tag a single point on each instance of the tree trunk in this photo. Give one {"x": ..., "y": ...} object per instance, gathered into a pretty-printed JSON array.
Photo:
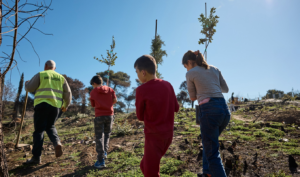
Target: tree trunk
[
  {"x": 0, "y": 22},
  {"x": 2, "y": 86},
  {"x": 193, "y": 104},
  {"x": 3, "y": 165}
]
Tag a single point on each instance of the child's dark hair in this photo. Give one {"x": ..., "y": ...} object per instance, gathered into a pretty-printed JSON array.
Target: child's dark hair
[
  {"x": 97, "y": 80},
  {"x": 147, "y": 63},
  {"x": 199, "y": 59}
]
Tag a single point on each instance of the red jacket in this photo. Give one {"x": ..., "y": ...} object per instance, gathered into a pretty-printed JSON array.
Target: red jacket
[
  {"x": 155, "y": 105},
  {"x": 102, "y": 99}
]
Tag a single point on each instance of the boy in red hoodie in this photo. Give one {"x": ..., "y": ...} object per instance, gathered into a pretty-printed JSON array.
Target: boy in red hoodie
[
  {"x": 155, "y": 105},
  {"x": 102, "y": 99}
]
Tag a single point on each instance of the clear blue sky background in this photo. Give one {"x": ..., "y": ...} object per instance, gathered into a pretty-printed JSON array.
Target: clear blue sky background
[{"x": 256, "y": 45}]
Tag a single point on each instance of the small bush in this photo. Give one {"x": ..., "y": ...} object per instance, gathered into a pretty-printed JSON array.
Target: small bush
[
  {"x": 170, "y": 166},
  {"x": 123, "y": 129}
]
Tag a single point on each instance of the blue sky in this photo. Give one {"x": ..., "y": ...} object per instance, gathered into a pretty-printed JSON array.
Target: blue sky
[{"x": 255, "y": 45}]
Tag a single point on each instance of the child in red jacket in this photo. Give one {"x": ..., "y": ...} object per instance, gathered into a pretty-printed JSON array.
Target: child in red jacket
[
  {"x": 155, "y": 105},
  {"x": 102, "y": 98}
]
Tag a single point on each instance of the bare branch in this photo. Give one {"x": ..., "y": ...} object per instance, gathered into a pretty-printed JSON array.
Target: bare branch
[
  {"x": 20, "y": 55},
  {"x": 35, "y": 21},
  {"x": 41, "y": 31},
  {"x": 8, "y": 31},
  {"x": 33, "y": 49}
]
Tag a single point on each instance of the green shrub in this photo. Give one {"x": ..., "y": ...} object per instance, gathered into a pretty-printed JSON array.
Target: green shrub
[
  {"x": 170, "y": 166},
  {"x": 123, "y": 129}
]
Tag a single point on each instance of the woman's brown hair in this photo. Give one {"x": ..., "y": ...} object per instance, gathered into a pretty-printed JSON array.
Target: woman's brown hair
[{"x": 198, "y": 59}]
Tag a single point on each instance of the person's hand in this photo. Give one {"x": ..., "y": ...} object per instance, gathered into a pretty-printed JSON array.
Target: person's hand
[{"x": 63, "y": 109}]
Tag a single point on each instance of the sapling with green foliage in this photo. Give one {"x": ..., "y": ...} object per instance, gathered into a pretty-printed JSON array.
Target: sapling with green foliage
[
  {"x": 208, "y": 27},
  {"x": 110, "y": 58},
  {"x": 158, "y": 53}
]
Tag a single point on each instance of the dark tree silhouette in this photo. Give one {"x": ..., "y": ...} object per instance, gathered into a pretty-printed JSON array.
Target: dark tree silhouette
[{"x": 16, "y": 106}]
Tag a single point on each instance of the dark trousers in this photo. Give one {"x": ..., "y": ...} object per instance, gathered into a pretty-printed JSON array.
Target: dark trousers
[
  {"x": 103, "y": 125},
  {"x": 45, "y": 116},
  {"x": 156, "y": 145}
]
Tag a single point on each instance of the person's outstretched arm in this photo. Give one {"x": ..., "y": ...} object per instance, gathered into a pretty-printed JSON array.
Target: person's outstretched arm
[{"x": 223, "y": 83}]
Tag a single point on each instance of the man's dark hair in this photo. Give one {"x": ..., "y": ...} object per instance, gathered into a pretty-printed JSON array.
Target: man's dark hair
[
  {"x": 147, "y": 63},
  {"x": 97, "y": 80}
]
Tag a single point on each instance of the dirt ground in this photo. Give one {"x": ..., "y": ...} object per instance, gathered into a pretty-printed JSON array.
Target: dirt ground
[{"x": 270, "y": 146}]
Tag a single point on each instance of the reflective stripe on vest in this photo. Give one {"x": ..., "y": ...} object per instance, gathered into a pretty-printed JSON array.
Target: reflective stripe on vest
[{"x": 50, "y": 89}]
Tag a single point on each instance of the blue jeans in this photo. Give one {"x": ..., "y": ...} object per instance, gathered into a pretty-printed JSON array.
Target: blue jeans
[{"x": 214, "y": 117}]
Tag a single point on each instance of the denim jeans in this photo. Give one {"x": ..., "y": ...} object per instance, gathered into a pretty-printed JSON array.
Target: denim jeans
[
  {"x": 44, "y": 117},
  {"x": 213, "y": 117}
]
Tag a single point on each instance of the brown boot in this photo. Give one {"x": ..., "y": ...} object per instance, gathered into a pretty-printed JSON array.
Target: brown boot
[
  {"x": 34, "y": 160},
  {"x": 58, "y": 150}
]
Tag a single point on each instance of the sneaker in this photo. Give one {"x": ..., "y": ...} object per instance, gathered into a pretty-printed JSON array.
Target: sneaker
[
  {"x": 105, "y": 154},
  {"x": 100, "y": 164},
  {"x": 58, "y": 150},
  {"x": 203, "y": 175},
  {"x": 34, "y": 160}
]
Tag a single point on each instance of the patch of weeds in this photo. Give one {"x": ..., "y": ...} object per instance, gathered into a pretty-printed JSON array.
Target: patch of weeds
[
  {"x": 189, "y": 174},
  {"x": 185, "y": 133},
  {"x": 123, "y": 129},
  {"x": 280, "y": 173},
  {"x": 255, "y": 125},
  {"x": 21, "y": 159},
  {"x": 170, "y": 165},
  {"x": 247, "y": 138},
  {"x": 240, "y": 127},
  {"x": 64, "y": 164},
  {"x": 274, "y": 155},
  {"x": 191, "y": 129},
  {"x": 276, "y": 144},
  {"x": 290, "y": 144},
  {"x": 236, "y": 134},
  {"x": 292, "y": 151},
  {"x": 259, "y": 134},
  {"x": 275, "y": 132},
  {"x": 294, "y": 140},
  {"x": 290, "y": 128},
  {"x": 276, "y": 124},
  {"x": 237, "y": 122}
]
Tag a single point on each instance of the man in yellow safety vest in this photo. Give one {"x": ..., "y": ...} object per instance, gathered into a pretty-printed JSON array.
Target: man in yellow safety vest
[{"x": 52, "y": 93}]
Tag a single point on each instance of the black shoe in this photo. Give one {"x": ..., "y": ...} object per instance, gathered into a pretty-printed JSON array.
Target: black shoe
[
  {"x": 203, "y": 175},
  {"x": 34, "y": 160}
]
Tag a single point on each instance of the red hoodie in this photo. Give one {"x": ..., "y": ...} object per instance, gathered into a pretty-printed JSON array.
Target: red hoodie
[
  {"x": 102, "y": 99},
  {"x": 155, "y": 105}
]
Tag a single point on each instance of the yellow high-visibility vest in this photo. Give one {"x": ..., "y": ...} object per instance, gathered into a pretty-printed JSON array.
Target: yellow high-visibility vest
[{"x": 50, "y": 89}]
